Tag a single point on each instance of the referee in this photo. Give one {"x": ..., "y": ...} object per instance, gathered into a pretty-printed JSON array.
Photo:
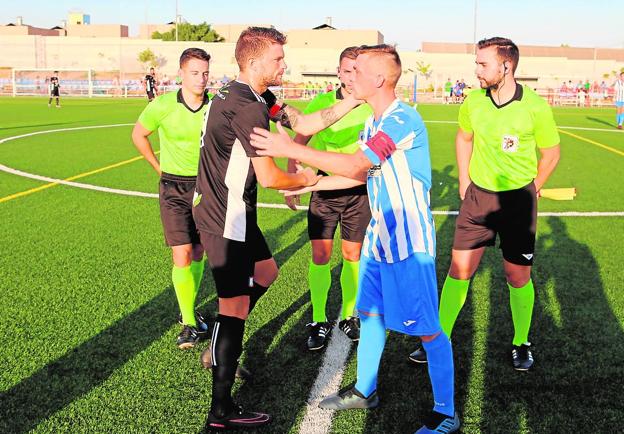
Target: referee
[
  {"x": 178, "y": 117},
  {"x": 348, "y": 207},
  {"x": 500, "y": 128}
]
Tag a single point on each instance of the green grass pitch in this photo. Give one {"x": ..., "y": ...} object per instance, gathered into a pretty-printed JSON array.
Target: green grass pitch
[{"x": 88, "y": 313}]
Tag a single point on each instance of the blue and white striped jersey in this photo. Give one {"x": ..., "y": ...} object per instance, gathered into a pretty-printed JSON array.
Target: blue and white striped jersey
[
  {"x": 619, "y": 91},
  {"x": 398, "y": 185}
]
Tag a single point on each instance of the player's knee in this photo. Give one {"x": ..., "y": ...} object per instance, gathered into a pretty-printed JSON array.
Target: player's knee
[
  {"x": 237, "y": 307},
  {"x": 350, "y": 254},
  {"x": 181, "y": 257},
  {"x": 460, "y": 271},
  {"x": 517, "y": 280},
  {"x": 321, "y": 257}
]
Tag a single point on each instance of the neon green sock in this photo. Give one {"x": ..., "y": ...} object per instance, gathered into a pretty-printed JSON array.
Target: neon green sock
[
  {"x": 349, "y": 285},
  {"x": 452, "y": 300},
  {"x": 185, "y": 292},
  {"x": 319, "y": 278},
  {"x": 197, "y": 268},
  {"x": 521, "y": 301}
]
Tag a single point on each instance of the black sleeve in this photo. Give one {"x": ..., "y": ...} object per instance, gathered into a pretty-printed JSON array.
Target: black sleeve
[{"x": 254, "y": 114}]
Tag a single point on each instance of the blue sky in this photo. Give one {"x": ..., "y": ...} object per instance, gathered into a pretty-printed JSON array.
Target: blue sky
[{"x": 407, "y": 22}]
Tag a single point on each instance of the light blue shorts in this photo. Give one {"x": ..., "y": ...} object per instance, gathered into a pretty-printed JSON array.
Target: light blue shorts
[
  {"x": 619, "y": 104},
  {"x": 405, "y": 293}
]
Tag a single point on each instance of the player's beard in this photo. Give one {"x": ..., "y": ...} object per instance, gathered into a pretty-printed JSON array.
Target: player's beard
[
  {"x": 273, "y": 81},
  {"x": 490, "y": 84}
]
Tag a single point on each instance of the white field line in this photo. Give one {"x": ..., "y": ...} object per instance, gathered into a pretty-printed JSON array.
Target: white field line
[
  {"x": 317, "y": 420},
  {"x": 260, "y": 205}
]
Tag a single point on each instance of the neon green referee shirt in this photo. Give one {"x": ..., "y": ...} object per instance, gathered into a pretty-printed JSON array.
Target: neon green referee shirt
[
  {"x": 342, "y": 136},
  {"x": 179, "y": 130},
  {"x": 506, "y": 137}
]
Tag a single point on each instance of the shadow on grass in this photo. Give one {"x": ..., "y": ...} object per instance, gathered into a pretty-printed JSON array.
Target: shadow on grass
[
  {"x": 576, "y": 384},
  {"x": 73, "y": 375},
  {"x": 600, "y": 121}
]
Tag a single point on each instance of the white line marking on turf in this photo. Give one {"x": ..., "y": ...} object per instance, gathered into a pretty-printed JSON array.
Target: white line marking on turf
[
  {"x": 317, "y": 420},
  {"x": 260, "y": 205}
]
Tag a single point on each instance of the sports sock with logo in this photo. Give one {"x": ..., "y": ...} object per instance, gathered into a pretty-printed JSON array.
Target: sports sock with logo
[
  {"x": 370, "y": 349},
  {"x": 348, "y": 283},
  {"x": 441, "y": 373},
  {"x": 227, "y": 346},
  {"x": 452, "y": 300},
  {"x": 184, "y": 286},
  {"x": 319, "y": 278},
  {"x": 521, "y": 301}
]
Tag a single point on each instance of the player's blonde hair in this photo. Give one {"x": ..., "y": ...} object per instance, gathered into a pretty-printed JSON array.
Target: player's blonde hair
[
  {"x": 390, "y": 55},
  {"x": 254, "y": 41}
]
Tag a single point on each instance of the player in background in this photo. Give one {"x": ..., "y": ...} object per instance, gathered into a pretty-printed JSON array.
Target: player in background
[
  {"x": 54, "y": 87},
  {"x": 150, "y": 84}
]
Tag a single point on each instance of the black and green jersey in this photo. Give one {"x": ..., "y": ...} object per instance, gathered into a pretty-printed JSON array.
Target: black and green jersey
[
  {"x": 343, "y": 135},
  {"x": 506, "y": 137},
  {"x": 179, "y": 130}
]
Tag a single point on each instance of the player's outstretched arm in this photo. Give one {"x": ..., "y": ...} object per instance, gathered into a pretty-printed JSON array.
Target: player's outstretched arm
[
  {"x": 311, "y": 123},
  {"x": 281, "y": 145},
  {"x": 140, "y": 139},
  {"x": 333, "y": 182},
  {"x": 271, "y": 176}
]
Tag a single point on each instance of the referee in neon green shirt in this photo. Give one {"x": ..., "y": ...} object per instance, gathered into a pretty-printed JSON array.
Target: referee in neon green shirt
[
  {"x": 500, "y": 127},
  {"x": 178, "y": 117}
]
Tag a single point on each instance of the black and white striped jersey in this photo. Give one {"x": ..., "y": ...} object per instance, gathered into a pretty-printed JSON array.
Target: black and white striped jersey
[{"x": 226, "y": 191}]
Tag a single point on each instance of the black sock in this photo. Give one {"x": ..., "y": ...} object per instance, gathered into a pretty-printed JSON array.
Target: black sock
[
  {"x": 258, "y": 291},
  {"x": 227, "y": 346}
]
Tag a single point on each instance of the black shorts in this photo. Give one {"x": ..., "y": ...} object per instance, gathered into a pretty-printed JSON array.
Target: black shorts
[
  {"x": 54, "y": 93},
  {"x": 175, "y": 195},
  {"x": 150, "y": 95},
  {"x": 233, "y": 262},
  {"x": 348, "y": 207},
  {"x": 510, "y": 214}
]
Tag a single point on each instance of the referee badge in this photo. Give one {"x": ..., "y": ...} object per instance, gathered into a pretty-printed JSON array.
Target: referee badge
[{"x": 510, "y": 143}]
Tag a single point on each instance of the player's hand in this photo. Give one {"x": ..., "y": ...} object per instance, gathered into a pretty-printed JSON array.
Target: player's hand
[
  {"x": 292, "y": 200},
  {"x": 463, "y": 186},
  {"x": 309, "y": 176},
  {"x": 272, "y": 144}
]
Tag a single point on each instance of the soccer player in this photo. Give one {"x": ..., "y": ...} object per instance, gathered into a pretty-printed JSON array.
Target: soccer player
[
  {"x": 500, "y": 128},
  {"x": 224, "y": 204},
  {"x": 178, "y": 117},
  {"x": 54, "y": 86},
  {"x": 349, "y": 207},
  {"x": 397, "y": 270},
  {"x": 150, "y": 85},
  {"x": 618, "y": 97}
]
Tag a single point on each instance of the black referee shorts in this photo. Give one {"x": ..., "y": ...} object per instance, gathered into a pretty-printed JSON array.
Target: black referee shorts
[
  {"x": 175, "y": 195},
  {"x": 510, "y": 214},
  {"x": 349, "y": 208}
]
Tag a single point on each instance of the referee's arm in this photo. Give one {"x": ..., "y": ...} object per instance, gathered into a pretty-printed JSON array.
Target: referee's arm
[
  {"x": 140, "y": 139},
  {"x": 546, "y": 165},
  {"x": 463, "y": 150}
]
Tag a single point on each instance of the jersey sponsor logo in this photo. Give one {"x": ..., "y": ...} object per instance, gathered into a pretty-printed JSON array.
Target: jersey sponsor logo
[
  {"x": 375, "y": 170},
  {"x": 528, "y": 256},
  {"x": 510, "y": 143},
  {"x": 409, "y": 322}
]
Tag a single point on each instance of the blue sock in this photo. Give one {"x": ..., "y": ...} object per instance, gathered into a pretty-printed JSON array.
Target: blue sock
[
  {"x": 620, "y": 118},
  {"x": 370, "y": 348},
  {"x": 441, "y": 373}
]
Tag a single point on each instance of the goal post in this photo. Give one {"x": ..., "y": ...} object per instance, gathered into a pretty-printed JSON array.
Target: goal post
[{"x": 36, "y": 82}]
